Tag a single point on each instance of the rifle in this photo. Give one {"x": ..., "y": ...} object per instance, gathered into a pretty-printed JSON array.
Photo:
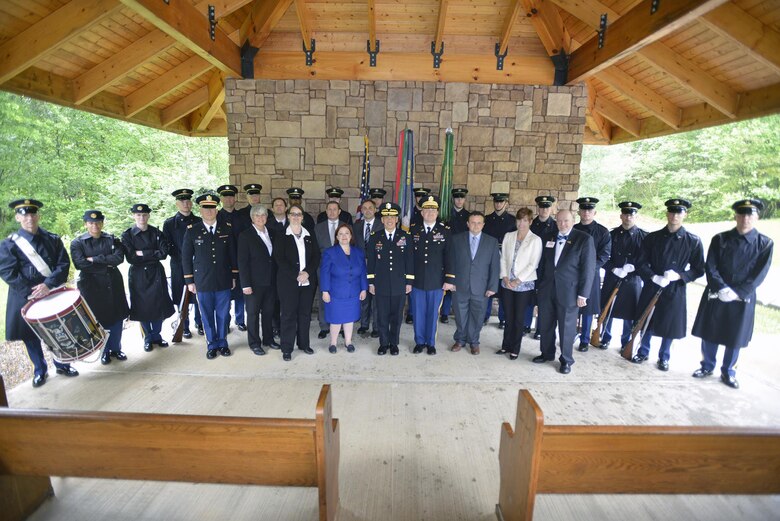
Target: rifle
[
  {"x": 184, "y": 311},
  {"x": 628, "y": 350},
  {"x": 597, "y": 334}
]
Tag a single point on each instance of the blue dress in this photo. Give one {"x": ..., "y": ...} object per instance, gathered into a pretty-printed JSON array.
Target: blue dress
[{"x": 344, "y": 277}]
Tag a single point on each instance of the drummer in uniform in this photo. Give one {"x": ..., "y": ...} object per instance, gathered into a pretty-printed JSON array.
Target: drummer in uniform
[
  {"x": 97, "y": 255},
  {"x": 334, "y": 195},
  {"x": 543, "y": 226},
  {"x": 150, "y": 303},
  {"x": 239, "y": 223},
  {"x": 390, "y": 275},
  {"x": 33, "y": 261},
  {"x": 174, "y": 229},
  {"x": 211, "y": 271}
]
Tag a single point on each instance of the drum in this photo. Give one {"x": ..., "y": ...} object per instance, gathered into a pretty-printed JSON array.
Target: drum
[{"x": 64, "y": 322}]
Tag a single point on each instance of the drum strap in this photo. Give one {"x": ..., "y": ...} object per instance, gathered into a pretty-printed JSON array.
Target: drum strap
[{"x": 31, "y": 255}]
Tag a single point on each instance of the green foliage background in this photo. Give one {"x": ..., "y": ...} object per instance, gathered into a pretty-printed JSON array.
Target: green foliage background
[
  {"x": 711, "y": 167},
  {"x": 73, "y": 161}
]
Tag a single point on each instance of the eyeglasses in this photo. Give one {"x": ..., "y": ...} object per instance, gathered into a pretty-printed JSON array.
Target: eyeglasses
[{"x": 296, "y": 214}]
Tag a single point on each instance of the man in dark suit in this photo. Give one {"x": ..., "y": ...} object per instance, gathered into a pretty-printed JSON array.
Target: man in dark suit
[
  {"x": 325, "y": 233},
  {"x": 475, "y": 266},
  {"x": 361, "y": 231},
  {"x": 565, "y": 273},
  {"x": 257, "y": 272}
]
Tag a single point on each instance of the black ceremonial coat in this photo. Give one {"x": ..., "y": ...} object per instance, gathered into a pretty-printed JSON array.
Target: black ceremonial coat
[
  {"x": 174, "y": 229},
  {"x": 663, "y": 250},
  {"x": 740, "y": 262},
  {"x": 459, "y": 219},
  {"x": 546, "y": 230},
  {"x": 149, "y": 297},
  {"x": 626, "y": 249},
  {"x": 603, "y": 244},
  {"x": 100, "y": 282}
]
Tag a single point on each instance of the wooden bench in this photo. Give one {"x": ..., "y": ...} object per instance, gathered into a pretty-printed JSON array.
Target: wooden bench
[
  {"x": 585, "y": 459},
  {"x": 36, "y": 444}
]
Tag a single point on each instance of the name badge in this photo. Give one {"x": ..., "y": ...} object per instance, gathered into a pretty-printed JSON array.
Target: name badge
[{"x": 550, "y": 244}]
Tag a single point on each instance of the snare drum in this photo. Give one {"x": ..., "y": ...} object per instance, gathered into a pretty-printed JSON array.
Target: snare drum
[{"x": 64, "y": 322}]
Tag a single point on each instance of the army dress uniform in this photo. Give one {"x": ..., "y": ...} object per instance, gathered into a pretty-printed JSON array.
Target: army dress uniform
[{"x": 239, "y": 221}]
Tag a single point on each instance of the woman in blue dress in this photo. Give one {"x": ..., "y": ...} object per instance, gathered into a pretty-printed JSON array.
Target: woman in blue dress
[{"x": 344, "y": 284}]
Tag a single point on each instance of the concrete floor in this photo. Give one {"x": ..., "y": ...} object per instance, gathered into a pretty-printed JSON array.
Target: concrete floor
[{"x": 419, "y": 434}]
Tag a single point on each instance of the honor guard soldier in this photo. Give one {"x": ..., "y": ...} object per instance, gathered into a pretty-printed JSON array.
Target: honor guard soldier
[
  {"x": 252, "y": 198},
  {"x": 174, "y": 229},
  {"x": 334, "y": 195},
  {"x": 211, "y": 271},
  {"x": 33, "y": 261},
  {"x": 432, "y": 273},
  {"x": 295, "y": 197},
  {"x": 545, "y": 227},
  {"x": 238, "y": 223},
  {"x": 626, "y": 255},
  {"x": 419, "y": 193},
  {"x": 497, "y": 224},
  {"x": 603, "y": 244},
  {"x": 378, "y": 196},
  {"x": 671, "y": 258},
  {"x": 390, "y": 274},
  {"x": 458, "y": 223},
  {"x": 737, "y": 263}
]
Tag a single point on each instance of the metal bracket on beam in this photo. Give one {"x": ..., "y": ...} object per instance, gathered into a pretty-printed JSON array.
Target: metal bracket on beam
[
  {"x": 212, "y": 23},
  {"x": 436, "y": 55},
  {"x": 309, "y": 52},
  {"x": 602, "y": 29},
  {"x": 372, "y": 54},
  {"x": 654, "y": 6},
  {"x": 248, "y": 60},
  {"x": 500, "y": 57},
  {"x": 561, "y": 64}
]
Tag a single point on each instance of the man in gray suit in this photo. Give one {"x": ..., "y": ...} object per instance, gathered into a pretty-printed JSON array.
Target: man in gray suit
[
  {"x": 476, "y": 269},
  {"x": 325, "y": 232},
  {"x": 361, "y": 232},
  {"x": 565, "y": 274}
]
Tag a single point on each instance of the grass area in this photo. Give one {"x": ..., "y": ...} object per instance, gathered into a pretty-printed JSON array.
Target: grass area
[{"x": 767, "y": 320}]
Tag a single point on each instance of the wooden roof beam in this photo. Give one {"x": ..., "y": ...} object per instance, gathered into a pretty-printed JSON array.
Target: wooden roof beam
[
  {"x": 659, "y": 106},
  {"x": 262, "y": 19},
  {"x": 162, "y": 85},
  {"x": 634, "y": 30},
  {"x": 304, "y": 21},
  {"x": 372, "y": 24},
  {"x": 38, "y": 40},
  {"x": 603, "y": 108},
  {"x": 509, "y": 24},
  {"x": 184, "y": 106},
  {"x": 714, "y": 92},
  {"x": 186, "y": 24},
  {"x": 439, "y": 36},
  {"x": 760, "y": 41},
  {"x": 600, "y": 126},
  {"x": 589, "y": 11},
  {"x": 202, "y": 117},
  {"x": 548, "y": 24}
]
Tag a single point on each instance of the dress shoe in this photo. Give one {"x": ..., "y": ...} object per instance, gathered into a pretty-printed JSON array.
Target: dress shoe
[
  {"x": 186, "y": 333},
  {"x": 512, "y": 356},
  {"x": 119, "y": 355},
  {"x": 394, "y": 350},
  {"x": 701, "y": 373},
  {"x": 583, "y": 347},
  {"x": 362, "y": 330},
  {"x": 148, "y": 346},
  {"x": 565, "y": 368},
  {"x": 537, "y": 335},
  {"x": 663, "y": 365},
  {"x": 105, "y": 358},
  {"x": 322, "y": 334},
  {"x": 200, "y": 331},
  {"x": 211, "y": 354},
  {"x": 456, "y": 347},
  {"x": 502, "y": 351},
  {"x": 241, "y": 327},
  {"x": 730, "y": 381},
  {"x": 259, "y": 351},
  {"x": 501, "y": 325},
  {"x": 374, "y": 334},
  {"x": 273, "y": 345},
  {"x": 603, "y": 345},
  {"x": 307, "y": 350},
  {"x": 162, "y": 343},
  {"x": 225, "y": 351},
  {"x": 539, "y": 359},
  {"x": 332, "y": 349},
  {"x": 474, "y": 349},
  {"x": 409, "y": 319},
  {"x": 39, "y": 379},
  {"x": 382, "y": 350},
  {"x": 67, "y": 371},
  {"x": 350, "y": 348},
  {"x": 286, "y": 357},
  {"x": 527, "y": 329},
  {"x": 418, "y": 349},
  {"x": 444, "y": 319},
  {"x": 431, "y": 350},
  {"x": 638, "y": 359}
]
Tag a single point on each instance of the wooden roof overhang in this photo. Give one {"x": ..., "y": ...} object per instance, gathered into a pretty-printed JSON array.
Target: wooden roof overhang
[{"x": 663, "y": 66}]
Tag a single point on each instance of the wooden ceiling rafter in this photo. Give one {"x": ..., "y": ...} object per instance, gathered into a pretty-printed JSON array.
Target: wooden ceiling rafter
[
  {"x": 184, "y": 106},
  {"x": 548, "y": 24},
  {"x": 598, "y": 124},
  {"x": 438, "y": 38},
  {"x": 202, "y": 117},
  {"x": 629, "y": 87},
  {"x": 372, "y": 39},
  {"x": 588, "y": 11},
  {"x": 605, "y": 108},
  {"x": 509, "y": 24},
  {"x": 262, "y": 19},
  {"x": 164, "y": 84},
  {"x": 304, "y": 20}
]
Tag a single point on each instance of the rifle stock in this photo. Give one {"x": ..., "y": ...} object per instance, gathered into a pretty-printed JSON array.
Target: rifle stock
[
  {"x": 596, "y": 334},
  {"x": 628, "y": 350},
  {"x": 184, "y": 311}
]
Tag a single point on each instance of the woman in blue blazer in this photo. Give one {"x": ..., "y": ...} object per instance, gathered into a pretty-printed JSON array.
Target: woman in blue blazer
[{"x": 344, "y": 284}]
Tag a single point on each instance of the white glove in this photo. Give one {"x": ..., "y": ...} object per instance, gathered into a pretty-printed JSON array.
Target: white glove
[
  {"x": 672, "y": 275},
  {"x": 619, "y": 272},
  {"x": 661, "y": 281},
  {"x": 628, "y": 268},
  {"x": 727, "y": 295}
]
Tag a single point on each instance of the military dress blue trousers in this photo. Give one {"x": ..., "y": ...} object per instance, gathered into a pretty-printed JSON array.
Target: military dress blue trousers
[
  {"x": 215, "y": 312},
  {"x": 709, "y": 352},
  {"x": 425, "y": 312}
]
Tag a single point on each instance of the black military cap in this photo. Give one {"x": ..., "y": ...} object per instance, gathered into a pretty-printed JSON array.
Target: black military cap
[
  {"x": 376, "y": 193},
  {"x": 421, "y": 191},
  {"x": 544, "y": 201},
  {"x": 207, "y": 200},
  {"x": 459, "y": 192},
  {"x": 25, "y": 206},
  {"x": 227, "y": 190},
  {"x": 430, "y": 201},
  {"x": 334, "y": 192},
  {"x": 182, "y": 194},
  {"x": 390, "y": 210},
  {"x": 587, "y": 203},
  {"x": 677, "y": 205},
  {"x": 253, "y": 188},
  {"x": 747, "y": 206},
  {"x": 295, "y": 193},
  {"x": 140, "y": 208},
  {"x": 629, "y": 207},
  {"x": 499, "y": 196},
  {"x": 92, "y": 216}
]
